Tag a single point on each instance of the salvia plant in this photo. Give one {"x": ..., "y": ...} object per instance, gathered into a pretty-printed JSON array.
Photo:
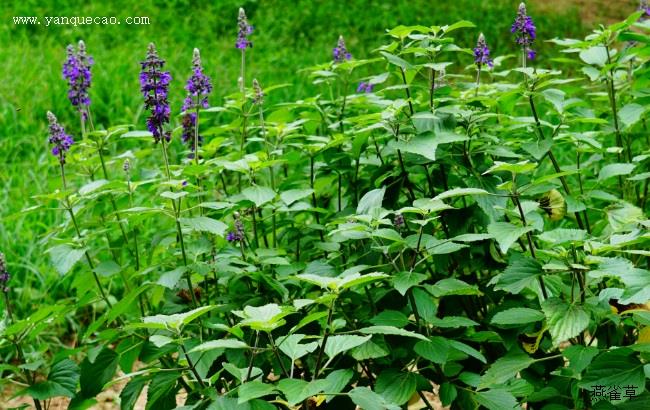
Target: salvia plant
[{"x": 418, "y": 234}]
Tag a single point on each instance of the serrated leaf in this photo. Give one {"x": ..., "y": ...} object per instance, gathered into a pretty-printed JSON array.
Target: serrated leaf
[
  {"x": 614, "y": 170},
  {"x": 296, "y": 390},
  {"x": 390, "y": 330},
  {"x": 452, "y": 286},
  {"x": 396, "y": 387},
  {"x": 342, "y": 343},
  {"x": 259, "y": 195},
  {"x": 461, "y": 192},
  {"x": 517, "y": 316},
  {"x": 290, "y": 345},
  {"x": 205, "y": 224},
  {"x": 504, "y": 369},
  {"x": 220, "y": 344},
  {"x": 403, "y": 281},
  {"x": 370, "y": 200},
  {"x": 497, "y": 399},
  {"x": 563, "y": 235},
  {"x": 564, "y": 320},
  {"x": 292, "y": 195},
  {"x": 506, "y": 233},
  {"x": 65, "y": 257},
  {"x": 367, "y": 399},
  {"x": 252, "y": 390},
  {"x": 434, "y": 350},
  {"x": 521, "y": 273}
]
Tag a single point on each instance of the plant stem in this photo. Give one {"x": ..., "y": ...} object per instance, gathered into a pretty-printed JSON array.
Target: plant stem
[
  {"x": 531, "y": 246},
  {"x": 192, "y": 367},
  {"x": 78, "y": 231},
  {"x": 408, "y": 90},
  {"x": 325, "y": 337},
  {"x": 271, "y": 171},
  {"x": 612, "y": 101},
  {"x": 556, "y": 165},
  {"x": 253, "y": 352},
  {"x": 277, "y": 355}
]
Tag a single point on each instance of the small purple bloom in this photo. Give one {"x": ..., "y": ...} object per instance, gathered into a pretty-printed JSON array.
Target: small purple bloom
[
  {"x": 645, "y": 7},
  {"x": 198, "y": 88},
  {"x": 398, "y": 221},
  {"x": 126, "y": 166},
  {"x": 61, "y": 141},
  {"x": 364, "y": 87},
  {"x": 340, "y": 53},
  {"x": 258, "y": 93},
  {"x": 154, "y": 84},
  {"x": 76, "y": 70},
  {"x": 238, "y": 234},
  {"x": 524, "y": 30},
  {"x": 184, "y": 183},
  {"x": 482, "y": 53},
  {"x": 244, "y": 30},
  {"x": 4, "y": 274}
]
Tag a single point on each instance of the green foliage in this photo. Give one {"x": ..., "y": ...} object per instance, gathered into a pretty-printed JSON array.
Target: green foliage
[{"x": 482, "y": 230}]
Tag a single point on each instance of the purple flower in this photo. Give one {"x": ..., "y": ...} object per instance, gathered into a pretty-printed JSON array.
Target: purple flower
[
  {"x": 4, "y": 274},
  {"x": 198, "y": 88},
  {"x": 482, "y": 52},
  {"x": 126, "y": 166},
  {"x": 61, "y": 141},
  {"x": 398, "y": 221},
  {"x": 340, "y": 53},
  {"x": 244, "y": 31},
  {"x": 258, "y": 93},
  {"x": 154, "y": 84},
  {"x": 238, "y": 234},
  {"x": 524, "y": 30},
  {"x": 76, "y": 70},
  {"x": 364, "y": 87},
  {"x": 645, "y": 7}
]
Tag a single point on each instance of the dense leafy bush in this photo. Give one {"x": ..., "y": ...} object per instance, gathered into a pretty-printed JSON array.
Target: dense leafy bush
[{"x": 477, "y": 233}]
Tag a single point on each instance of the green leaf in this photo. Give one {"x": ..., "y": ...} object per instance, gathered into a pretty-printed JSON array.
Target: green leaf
[
  {"x": 434, "y": 350},
  {"x": 624, "y": 216},
  {"x": 252, "y": 390},
  {"x": 564, "y": 320},
  {"x": 137, "y": 134},
  {"x": 461, "y": 192},
  {"x": 403, "y": 281},
  {"x": 337, "y": 380},
  {"x": 162, "y": 391},
  {"x": 95, "y": 374},
  {"x": 580, "y": 356},
  {"x": 107, "y": 268},
  {"x": 131, "y": 392},
  {"x": 618, "y": 367},
  {"x": 205, "y": 224},
  {"x": 497, "y": 399},
  {"x": 563, "y": 235},
  {"x": 367, "y": 399},
  {"x": 504, "y": 369},
  {"x": 92, "y": 186},
  {"x": 393, "y": 59},
  {"x": 451, "y": 286},
  {"x": 390, "y": 330},
  {"x": 522, "y": 167},
  {"x": 369, "y": 350},
  {"x": 372, "y": 199},
  {"x": 171, "y": 278},
  {"x": 460, "y": 346},
  {"x": 614, "y": 170},
  {"x": 596, "y": 55},
  {"x": 517, "y": 316},
  {"x": 220, "y": 344},
  {"x": 521, "y": 273},
  {"x": 426, "y": 144},
  {"x": 263, "y": 318},
  {"x": 396, "y": 387},
  {"x": 296, "y": 390},
  {"x": 65, "y": 257},
  {"x": 61, "y": 381},
  {"x": 292, "y": 195},
  {"x": 259, "y": 195},
  {"x": 290, "y": 345},
  {"x": 390, "y": 318},
  {"x": 173, "y": 322},
  {"x": 630, "y": 114},
  {"x": 342, "y": 343},
  {"x": 506, "y": 233}
]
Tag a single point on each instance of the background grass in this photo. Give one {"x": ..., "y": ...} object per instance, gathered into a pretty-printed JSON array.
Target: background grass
[{"x": 289, "y": 35}]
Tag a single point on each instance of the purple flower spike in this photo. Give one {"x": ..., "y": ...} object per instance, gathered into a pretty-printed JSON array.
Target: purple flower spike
[
  {"x": 238, "y": 234},
  {"x": 198, "y": 88},
  {"x": 645, "y": 7},
  {"x": 340, "y": 53},
  {"x": 4, "y": 274},
  {"x": 482, "y": 53},
  {"x": 154, "y": 84},
  {"x": 61, "y": 141},
  {"x": 398, "y": 221},
  {"x": 365, "y": 87},
  {"x": 244, "y": 31},
  {"x": 524, "y": 30},
  {"x": 76, "y": 70}
]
